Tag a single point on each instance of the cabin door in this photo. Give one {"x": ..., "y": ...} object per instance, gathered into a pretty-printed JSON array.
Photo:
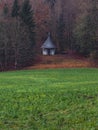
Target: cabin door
[{"x": 48, "y": 51}]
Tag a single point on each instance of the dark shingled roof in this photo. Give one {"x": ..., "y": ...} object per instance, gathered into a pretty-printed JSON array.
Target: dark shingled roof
[{"x": 48, "y": 43}]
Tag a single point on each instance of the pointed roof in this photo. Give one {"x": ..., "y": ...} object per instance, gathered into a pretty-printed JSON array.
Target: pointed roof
[{"x": 48, "y": 43}]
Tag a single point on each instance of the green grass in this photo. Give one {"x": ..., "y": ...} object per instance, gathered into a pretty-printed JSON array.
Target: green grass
[{"x": 55, "y": 99}]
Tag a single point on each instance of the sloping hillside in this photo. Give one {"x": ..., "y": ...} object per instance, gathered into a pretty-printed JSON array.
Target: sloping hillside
[{"x": 60, "y": 61}]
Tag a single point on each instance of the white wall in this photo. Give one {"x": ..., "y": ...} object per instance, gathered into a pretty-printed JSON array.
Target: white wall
[
  {"x": 44, "y": 52},
  {"x": 52, "y": 51}
]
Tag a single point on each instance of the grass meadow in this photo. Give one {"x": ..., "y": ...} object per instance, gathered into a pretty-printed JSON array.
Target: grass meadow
[{"x": 51, "y": 99}]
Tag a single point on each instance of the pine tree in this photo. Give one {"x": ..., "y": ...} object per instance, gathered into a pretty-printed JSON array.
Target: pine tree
[
  {"x": 5, "y": 10},
  {"x": 51, "y": 2},
  {"x": 15, "y": 45},
  {"x": 86, "y": 31},
  {"x": 24, "y": 18},
  {"x": 15, "y": 13},
  {"x": 60, "y": 33},
  {"x": 94, "y": 22},
  {"x": 15, "y": 9},
  {"x": 53, "y": 21},
  {"x": 26, "y": 14}
]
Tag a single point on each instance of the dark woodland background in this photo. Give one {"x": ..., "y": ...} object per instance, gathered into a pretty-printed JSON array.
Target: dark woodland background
[{"x": 73, "y": 25}]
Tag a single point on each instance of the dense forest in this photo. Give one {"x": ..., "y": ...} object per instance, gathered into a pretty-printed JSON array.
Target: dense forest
[{"x": 73, "y": 25}]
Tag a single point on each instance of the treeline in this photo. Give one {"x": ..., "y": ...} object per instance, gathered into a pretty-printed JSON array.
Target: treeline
[
  {"x": 76, "y": 28},
  {"x": 17, "y": 37},
  {"x": 86, "y": 30},
  {"x": 73, "y": 25}
]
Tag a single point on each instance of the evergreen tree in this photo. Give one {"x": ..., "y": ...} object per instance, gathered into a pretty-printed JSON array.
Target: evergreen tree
[
  {"x": 94, "y": 23},
  {"x": 5, "y": 10},
  {"x": 26, "y": 14},
  {"x": 86, "y": 31},
  {"x": 53, "y": 22},
  {"x": 15, "y": 9},
  {"x": 24, "y": 20},
  {"x": 15, "y": 13},
  {"x": 16, "y": 49},
  {"x": 60, "y": 33},
  {"x": 51, "y": 2}
]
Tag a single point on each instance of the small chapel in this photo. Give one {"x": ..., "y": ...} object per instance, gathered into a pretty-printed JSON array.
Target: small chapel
[{"x": 48, "y": 47}]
